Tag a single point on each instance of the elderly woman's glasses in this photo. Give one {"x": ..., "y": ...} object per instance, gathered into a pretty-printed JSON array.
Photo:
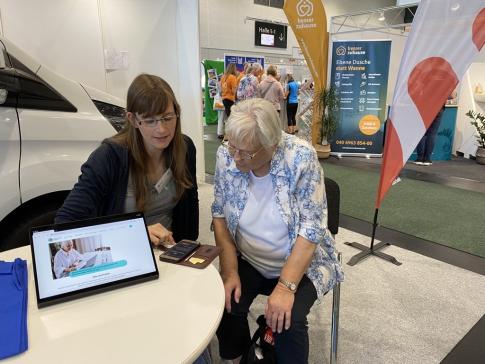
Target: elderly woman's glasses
[
  {"x": 165, "y": 120},
  {"x": 242, "y": 154}
]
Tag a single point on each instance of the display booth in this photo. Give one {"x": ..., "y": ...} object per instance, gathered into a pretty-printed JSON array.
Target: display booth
[{"x": 456, "y": 135}]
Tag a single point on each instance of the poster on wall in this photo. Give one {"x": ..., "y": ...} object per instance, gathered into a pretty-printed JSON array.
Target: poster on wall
[
  {"x": 240, "y": 60},
  {"x": 213, "y": 73},
  {"x": 360, "y": 71}
]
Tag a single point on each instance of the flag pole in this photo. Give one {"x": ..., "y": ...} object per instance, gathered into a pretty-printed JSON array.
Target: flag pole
[{"x": 373, "y": 250}]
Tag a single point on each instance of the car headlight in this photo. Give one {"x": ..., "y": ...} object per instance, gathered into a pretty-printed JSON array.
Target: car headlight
[{"x": 113, "y": 113}]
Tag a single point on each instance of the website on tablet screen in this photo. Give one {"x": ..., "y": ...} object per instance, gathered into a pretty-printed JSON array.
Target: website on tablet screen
[{"x": 70, "y": 260}]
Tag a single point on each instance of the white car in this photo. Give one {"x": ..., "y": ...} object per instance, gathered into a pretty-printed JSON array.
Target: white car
[{"x": 48, "y": 127}]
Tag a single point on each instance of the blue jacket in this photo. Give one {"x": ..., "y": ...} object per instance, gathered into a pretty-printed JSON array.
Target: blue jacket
[{"x": 101, "y": 190}]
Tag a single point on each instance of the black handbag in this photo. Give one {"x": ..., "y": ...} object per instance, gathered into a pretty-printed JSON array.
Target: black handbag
[{"x": 264, "y": 351}]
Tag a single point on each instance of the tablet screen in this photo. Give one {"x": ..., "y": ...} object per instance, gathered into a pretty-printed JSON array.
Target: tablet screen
[{"x": 91, "y": 255}]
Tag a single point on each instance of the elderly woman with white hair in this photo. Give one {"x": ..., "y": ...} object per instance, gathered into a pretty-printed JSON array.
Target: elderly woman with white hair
[
  {"x": 248, "y": 86},
  {"x": 270, "y": 219},
  {"x": 66, "y": 259}
]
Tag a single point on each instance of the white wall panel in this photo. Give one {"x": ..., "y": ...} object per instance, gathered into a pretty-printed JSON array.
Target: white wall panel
[
  {"x": 465, "y": 134},
  {"x": 160, "y": 36},
  {"x": 188, "y": 60},
  {"x": 144, "y": 29},
  {"x": 64, "y": 35}
]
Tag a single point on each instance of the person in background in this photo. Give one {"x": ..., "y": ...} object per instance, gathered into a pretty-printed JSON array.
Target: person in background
[
  {"x": 229, "y": 87},
  {"x": 221, "y": 121},
  {"x": 242, "y": 74},
  {"x": 66, "y": 259},
  {"x": 270, "y": 219},
  {"x": 270, "y": 88},
  {"x": 148, "y": 166},
  {"x": 292, "y": 104},
  {"x": 248, "y": 86},
  {"x": 426, "y": 144}
]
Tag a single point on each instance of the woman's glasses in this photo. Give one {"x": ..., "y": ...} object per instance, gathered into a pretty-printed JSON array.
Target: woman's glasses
[
  {"x": 242, "y": 154},
  {"x": 165, "y": 120}
]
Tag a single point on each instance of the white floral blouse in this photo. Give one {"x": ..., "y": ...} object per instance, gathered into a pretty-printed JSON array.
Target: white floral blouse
[{"x": 300, "y": 195}]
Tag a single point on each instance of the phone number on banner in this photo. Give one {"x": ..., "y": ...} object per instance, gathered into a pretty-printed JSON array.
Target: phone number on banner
[{"x": 354, "y": 142}]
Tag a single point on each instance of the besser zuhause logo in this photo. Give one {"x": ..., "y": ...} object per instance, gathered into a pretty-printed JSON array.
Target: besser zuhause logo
[
  {"x": 340, "y": 51},
  {"x": 304, "y": 8}
]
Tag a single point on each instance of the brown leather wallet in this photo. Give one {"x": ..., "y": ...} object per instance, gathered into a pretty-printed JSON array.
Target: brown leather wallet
[{"x": 202, "y": 257}]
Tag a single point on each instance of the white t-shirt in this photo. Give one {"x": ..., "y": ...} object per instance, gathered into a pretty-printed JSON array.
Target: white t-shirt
[{"x": 262, "y": 235}]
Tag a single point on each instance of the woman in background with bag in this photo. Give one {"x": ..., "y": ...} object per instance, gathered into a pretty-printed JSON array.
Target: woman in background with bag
[{"x": 270, "y": 89}]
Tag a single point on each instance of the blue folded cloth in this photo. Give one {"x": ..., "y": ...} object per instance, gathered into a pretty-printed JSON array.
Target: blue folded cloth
[{"x": 13, "y": 308}]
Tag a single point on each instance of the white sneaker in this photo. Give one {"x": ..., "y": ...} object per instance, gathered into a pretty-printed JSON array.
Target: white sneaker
[
  {"x": 419, "y": 163},
  {"x": 427, "y": 163}
]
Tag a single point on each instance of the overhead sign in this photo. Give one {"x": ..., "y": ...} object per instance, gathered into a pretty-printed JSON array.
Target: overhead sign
[
  {"x": 406, "y": 2},
  {"x": 270, "y": 35}
]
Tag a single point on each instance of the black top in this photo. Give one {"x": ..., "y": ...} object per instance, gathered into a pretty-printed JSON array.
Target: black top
[{"x": 101, "y": 190}]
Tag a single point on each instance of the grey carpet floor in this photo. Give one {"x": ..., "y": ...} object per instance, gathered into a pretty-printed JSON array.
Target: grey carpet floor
[{"x": 415, "y": 313}]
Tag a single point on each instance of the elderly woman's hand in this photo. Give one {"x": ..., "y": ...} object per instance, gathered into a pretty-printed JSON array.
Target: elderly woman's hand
[
  {"x": 278, "y": 308},
  {"x": 232, "y": 283},
  {"x": 159, "y": 234}
]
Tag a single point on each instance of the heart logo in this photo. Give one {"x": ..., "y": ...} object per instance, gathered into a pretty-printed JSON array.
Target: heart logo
[
  {"x": 304, "y": 8},
  {"x": 430, "y": 82}
]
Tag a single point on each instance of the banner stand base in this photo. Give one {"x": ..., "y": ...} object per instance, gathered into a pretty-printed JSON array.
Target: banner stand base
[
  {"x": 373, "y": 250},
  {"x": 366, "y": 251}
]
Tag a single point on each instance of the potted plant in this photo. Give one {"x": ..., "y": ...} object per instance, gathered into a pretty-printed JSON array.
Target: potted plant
[
  {"x": 328, "y": 103},
  {"x": 478, "y": 121}
]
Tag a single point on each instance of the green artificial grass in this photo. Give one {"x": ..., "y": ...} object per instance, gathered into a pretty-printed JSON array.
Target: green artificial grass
[{"x": 445, "y": 215}]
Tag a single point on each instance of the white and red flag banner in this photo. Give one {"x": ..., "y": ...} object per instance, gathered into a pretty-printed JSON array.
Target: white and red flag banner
[{"x": 446, "y": 36}]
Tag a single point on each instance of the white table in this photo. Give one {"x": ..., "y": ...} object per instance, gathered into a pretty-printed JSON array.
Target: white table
[{"x": 169, "y": 320}]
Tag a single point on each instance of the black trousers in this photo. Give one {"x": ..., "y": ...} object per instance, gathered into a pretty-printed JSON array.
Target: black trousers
[
  {"x": 292, "y": 345},
  {"x": 291, "y": 113},
  {"x": 227, "y": 106}
]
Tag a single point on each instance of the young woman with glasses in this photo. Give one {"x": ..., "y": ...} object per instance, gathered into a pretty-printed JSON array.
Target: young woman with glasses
[{"x": 148, "y": 166}]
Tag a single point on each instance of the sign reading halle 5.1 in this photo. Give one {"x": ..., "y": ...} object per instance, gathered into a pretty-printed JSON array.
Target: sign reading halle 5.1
[
  {"x": 270, "y": 35},
  {"x": 359, "y": 76}
]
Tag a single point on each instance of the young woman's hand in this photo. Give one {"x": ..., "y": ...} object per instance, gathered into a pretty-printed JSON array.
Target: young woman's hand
[
  {"x": 160, "y": 235},
  {"x": 232, "y": 283}
]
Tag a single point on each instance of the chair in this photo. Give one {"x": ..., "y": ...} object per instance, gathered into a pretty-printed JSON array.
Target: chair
[{"x": 332, "y": 190}]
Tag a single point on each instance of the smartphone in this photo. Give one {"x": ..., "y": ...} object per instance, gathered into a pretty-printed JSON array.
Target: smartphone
[{"x": 179, "y": 251}]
